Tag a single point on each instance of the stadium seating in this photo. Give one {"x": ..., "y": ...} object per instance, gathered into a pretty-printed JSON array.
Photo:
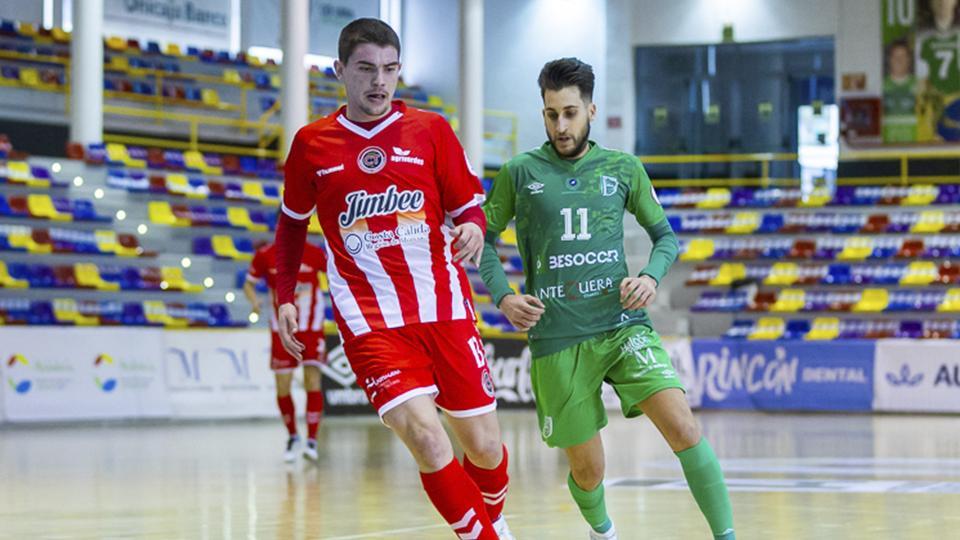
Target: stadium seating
[
  {"x": 70, "y": 312},
  {"x": 110, "y": 278},
  {"x": 42, "y": 206},
  {"x": 831, "y": 328}
]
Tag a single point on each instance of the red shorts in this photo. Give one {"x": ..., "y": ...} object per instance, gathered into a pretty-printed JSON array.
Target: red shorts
[
  {"x": 314, "y": 352},
  {"x": 444, "y": 359}
]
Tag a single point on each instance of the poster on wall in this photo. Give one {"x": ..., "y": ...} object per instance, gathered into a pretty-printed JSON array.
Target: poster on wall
[
  {"x": 201, "y": 23},
  {"x": 921, "y": 71}
]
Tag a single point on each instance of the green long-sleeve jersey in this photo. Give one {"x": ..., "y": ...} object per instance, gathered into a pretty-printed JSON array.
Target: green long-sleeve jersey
[{"x": 569, "y": 223}]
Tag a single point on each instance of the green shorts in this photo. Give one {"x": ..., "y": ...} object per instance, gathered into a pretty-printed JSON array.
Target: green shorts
[{"x": 567, "y": 384}]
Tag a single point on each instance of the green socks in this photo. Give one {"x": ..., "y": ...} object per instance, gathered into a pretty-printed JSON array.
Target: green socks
[
  {"x": 592, "y": 505},
  {"x": 702, "y": 470}
]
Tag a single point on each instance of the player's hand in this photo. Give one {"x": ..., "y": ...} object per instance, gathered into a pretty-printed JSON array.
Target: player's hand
[
  {"x": 522, "y": 310},
  {"x": 637, "y": 292},
  {"x": 288, "y": 322},
  {"x": 468, "y": 240}
]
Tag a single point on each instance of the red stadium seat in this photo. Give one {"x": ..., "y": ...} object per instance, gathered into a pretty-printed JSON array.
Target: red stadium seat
[
  {"x": 911, "y": 249},
  {"x": 876, "y": 223},
  {"x": 803, "y": 249}
]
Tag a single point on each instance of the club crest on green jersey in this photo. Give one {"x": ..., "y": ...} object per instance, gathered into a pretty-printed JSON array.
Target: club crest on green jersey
[{"x": 609, "y": 186}]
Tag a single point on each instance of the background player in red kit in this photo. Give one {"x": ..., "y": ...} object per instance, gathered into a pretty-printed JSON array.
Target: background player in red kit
[
  {"x": 396, "y": 197},
  {"x": 309, "y": 330}
]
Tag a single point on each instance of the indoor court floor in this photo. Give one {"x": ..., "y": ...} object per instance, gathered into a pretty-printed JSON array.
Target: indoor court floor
[{"x": 791, "y": 477}]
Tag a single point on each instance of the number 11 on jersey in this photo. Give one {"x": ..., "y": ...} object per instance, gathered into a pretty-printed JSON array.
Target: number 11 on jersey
[{"x": 567, "y": 214}]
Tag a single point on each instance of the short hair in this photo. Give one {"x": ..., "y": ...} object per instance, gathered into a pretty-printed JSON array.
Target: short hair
[
  {"x": 366, "y": 30},
  {"x": 564, "y": 72}
]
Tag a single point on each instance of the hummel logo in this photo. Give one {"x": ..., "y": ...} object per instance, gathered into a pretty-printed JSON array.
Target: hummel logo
[
  {"x": 400, "y": 151},
  {"x": 324, "y": 172},
  {"x": 535, "y": 188},
  {"x": 904, "y": 378}
]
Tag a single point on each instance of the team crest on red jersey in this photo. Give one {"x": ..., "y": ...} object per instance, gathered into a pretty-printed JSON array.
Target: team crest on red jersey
[{"x": 372, "y": 159}]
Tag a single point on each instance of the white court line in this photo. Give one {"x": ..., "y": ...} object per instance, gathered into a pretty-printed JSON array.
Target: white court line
[
  {"x": 729, "y": 467},
  {"x": 394, "y": 531},
  {"x": 391, "y": 532}
]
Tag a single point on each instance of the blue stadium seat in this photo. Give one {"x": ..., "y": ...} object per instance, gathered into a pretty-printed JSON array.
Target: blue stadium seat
[
  {"x": 796, "y": 329},
  {"x": 41, "y": 313}
]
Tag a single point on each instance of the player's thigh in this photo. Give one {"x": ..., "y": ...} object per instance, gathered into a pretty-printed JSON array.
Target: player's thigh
[
  {"x": 390, "y": 368},
  {"x": 643, "y": 367},
  {"x": 566, "y": 387},
  {"x": 418, "y": 425},
  {"x": 669, "y": 411},
  {"x": 311, "y": 377},
  {"x": 284, "y": 380},
  {"x": 460, "y": 368},
  {"x": 479, "y": 436}
]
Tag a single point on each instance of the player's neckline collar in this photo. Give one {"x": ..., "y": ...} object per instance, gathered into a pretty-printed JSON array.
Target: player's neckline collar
[
  {"x": 574, "y": 163},
  {"x": 373, "y": 131}
]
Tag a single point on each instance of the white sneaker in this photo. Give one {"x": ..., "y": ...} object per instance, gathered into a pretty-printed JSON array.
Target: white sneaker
[
  {"x": 611, "y": 534},
  {"x": 310, "y": 450},
  {"x": 293, "y": 448},
  {"x": 503, "y": 531}
]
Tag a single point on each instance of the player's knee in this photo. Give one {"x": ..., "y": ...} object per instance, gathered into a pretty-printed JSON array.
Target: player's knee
[
  {"x": 588, "y": 474},
  {"x": 484, "y": 451},
  {"x": 684, "y": 434},
  {"x": 431, "y": 445}
]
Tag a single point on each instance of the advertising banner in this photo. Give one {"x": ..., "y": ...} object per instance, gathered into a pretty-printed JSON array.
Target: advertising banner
[
  {"x": 783, "y": 375},
  {"x": 917, "y": 376},
  {"x": 82, "y": 373}
]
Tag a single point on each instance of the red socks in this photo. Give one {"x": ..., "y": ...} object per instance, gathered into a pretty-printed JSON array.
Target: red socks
[
  {"x": 458, "y": 500},
  {"x": 314, "y": 412},
  {"x": 492, "y": 483},
  {"x": 288, "y": 413}
]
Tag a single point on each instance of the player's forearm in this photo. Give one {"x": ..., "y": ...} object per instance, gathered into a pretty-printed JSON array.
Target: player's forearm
[
  {"x": 250, "y": 291},
  {"x": 491, "y": 271},
  {"x": 290, "y": 238},
  {"x": 664, "y": 252}
]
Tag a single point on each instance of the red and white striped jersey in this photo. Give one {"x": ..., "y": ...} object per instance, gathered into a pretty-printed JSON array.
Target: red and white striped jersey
[
  {"x": 309, "y": 297},
  {"x": 385, "y": 195}
]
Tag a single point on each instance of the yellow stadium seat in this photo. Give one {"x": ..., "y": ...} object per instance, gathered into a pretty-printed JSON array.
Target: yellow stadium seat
[
  {"x": 161, "y": 212},
  {"x": 856, "y": 248},
  {"x": 210, "y": 97},
  {"x": 820, "y": 196},
  {"x": 509, "y": 236},
  {"x": 254, "y": 61},
  {"x": 744, "y": 223},
  {"x": 434, "y": 100},
  {"x": 872, "y": 300},
  {"x": 179, "y": 184},
  {"x": 118, "y": 152},
  {"x": 716, "y": 197},
  {"x": 789, "y": 300},
  {"x": 41, "y": 205},
  {"x": 920, "y": 273},
  {"x": 823, "y": 329},
  {"x": 728, "y": 273},
  {"x": 19, "y": 172},
  {"x": 173, "y": 277},
  {"x": 768, "y": 328},
  {"x": 116, "y": 43},
  {"x": 107, "y": 242},
  {"x": 240, "y": 217},
  {"x": 194, "y": 160},
  {"x": 931, "y": 221},
  {"x": 698, "y": 249},
  {"x": 920, "y": 195},
  {"x": 322, "y": 281},
  {"x": 60, "y": 35},
  {"x": 782, "y": 273},
  {"x": 26, "y": 29},
  {"x": 66, "y": 312},
  {"x": 24, "y": 239},
  {"x": 951, "y": 302},
  {"x": 9, "y": 282},
  {"x": 254, "y": 190},
  {"x": 223, "y": 246},
  {"x": 232, "y": 76},
  {"x": 88, "y": 275},
  {"x": 173, "y": 50},
  {"x": 30, "y": 77},
  {"x": 156, "y": 312},
  {"x": 119, "y": 62},
  {"x": 314, "y": 227},
  {"x": 275, "y": 81}
]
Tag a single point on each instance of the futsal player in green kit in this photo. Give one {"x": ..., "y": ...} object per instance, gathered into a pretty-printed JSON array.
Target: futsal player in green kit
[{"x": 583, "y": 312}]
